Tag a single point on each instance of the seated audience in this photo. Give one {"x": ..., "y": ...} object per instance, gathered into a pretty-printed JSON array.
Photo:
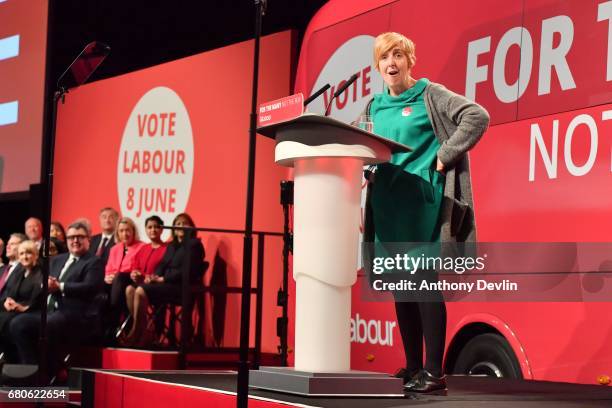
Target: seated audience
[
  {"x": 103, "y": 242},
  {"x": 121, "y": 262},
  {"x": 25, "y": 292},
  {"x": 76, "y": 278},
  {"x": 164, "y": 286}
]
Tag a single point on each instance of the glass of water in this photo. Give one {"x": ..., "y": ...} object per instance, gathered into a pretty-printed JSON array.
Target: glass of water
[{"x": 365, "y": 123}]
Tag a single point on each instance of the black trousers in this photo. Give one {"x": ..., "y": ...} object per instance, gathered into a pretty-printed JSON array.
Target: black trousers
[
  {"x": 63, "y": 333},
  {"x": 418, "y": 320},
  {"x": 116, "y": 297},
  {"x": 6, "y": 345}
]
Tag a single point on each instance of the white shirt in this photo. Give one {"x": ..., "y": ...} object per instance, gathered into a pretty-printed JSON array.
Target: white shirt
[
  {"x": 70, "y": 261},
  {"x": 12, "y": 265}
]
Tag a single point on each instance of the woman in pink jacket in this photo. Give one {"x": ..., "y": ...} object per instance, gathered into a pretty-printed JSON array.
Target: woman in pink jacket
[{"x": 121, "y": 262}]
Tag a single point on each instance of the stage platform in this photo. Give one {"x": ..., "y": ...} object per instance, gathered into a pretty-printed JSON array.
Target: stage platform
[{"x": 135, "y": 389}]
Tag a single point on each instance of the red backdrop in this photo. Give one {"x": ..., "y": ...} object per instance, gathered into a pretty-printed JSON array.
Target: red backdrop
[{"x": 215, "y": 90}]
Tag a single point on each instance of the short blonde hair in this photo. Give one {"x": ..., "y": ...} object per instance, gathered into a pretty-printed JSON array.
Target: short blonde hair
[
  {"x": 131, "y": 223},
  {"x": 385, "y": 42},
  {"x": 29, "y": 246}
]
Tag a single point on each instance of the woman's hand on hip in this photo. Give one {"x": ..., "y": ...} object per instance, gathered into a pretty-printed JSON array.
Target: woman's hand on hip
[{"x": 440, "y": 167}]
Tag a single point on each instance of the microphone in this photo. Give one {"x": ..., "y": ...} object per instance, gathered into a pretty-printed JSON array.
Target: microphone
[
  {"x": 316, "y": 94},
  {"x": 352, "y": 79}
]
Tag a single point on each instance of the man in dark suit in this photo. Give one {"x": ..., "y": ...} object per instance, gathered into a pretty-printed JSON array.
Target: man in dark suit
[
  {"x": 75, "y": 279},
  {"x": 7, "y": 272},
  {"x": 103, "y": 242}
]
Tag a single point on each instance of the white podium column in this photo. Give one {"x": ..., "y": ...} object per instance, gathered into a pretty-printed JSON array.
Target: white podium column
[{"x": 326, "y": 224}]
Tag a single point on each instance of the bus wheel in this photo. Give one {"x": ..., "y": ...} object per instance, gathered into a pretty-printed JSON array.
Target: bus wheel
[{"x": 488, "y": 355}]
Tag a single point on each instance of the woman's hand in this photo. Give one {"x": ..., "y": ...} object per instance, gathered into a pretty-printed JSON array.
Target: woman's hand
[
  {"x": 18, "y": 307},
  {"x": 156, "y": 279},
  {"x": 9, "y": 304},
  {"x": 108, "y": 279},
  {"x": 136, "y": 276},
  {"x": 440, "y": 167},
  {"x": 153, "y": 279}
]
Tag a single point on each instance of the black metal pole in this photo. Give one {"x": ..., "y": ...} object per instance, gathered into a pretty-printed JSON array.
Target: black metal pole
[
  {"x": 247, "y": 253},
  {"x": 186, "y": 302},
  {"x": 261, "y": 239},
  {"x": 47, "y": 175},
  {"x": 46, "y": 221}
]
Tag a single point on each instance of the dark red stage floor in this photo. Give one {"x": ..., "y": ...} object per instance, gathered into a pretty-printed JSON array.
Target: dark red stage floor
[{"x": 114, "y": 389}]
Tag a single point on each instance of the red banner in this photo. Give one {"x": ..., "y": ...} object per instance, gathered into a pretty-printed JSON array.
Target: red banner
[{"x": 280, "y": 110}]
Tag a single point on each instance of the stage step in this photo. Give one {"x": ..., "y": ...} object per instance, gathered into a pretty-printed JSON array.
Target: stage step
[
  {"x": 134, "y": 359},
  {"x": 114, "y": 358}
]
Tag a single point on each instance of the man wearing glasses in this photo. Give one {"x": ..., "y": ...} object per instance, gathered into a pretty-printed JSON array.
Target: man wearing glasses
[{"x": 75, "y": 278}]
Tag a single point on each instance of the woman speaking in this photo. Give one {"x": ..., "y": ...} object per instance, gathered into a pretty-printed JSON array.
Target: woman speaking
[{"x": 413, "y": 196}]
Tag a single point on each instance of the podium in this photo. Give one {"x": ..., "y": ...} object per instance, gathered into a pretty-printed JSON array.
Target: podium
[{"x": 328, "y": 158}]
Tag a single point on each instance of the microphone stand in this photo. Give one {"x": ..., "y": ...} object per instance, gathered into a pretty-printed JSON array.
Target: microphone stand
[{"x": 247, "y": 252}]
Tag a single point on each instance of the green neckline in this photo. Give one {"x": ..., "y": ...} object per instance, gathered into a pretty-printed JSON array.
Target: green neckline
[{"x": 409, "y": 94}]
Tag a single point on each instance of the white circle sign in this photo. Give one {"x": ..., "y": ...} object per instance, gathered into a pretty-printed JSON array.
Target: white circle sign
[{"x": 155, "y": 164}]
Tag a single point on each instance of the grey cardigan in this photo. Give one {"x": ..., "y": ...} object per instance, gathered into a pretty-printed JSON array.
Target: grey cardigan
[{"x": 458, "y": 124}]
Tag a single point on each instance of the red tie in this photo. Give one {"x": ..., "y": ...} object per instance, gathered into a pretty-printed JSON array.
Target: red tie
[
  {"x": 101, "y": 247},
  {"x": 4, "y": 276}
]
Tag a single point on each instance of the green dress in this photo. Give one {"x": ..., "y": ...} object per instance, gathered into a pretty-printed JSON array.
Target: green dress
[{"x": 408, "y": 191}]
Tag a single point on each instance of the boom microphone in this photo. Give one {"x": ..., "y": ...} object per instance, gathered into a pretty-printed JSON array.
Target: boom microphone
[
  {"x": 316, "y": 94},
  {"x": 352, "y": 79}
]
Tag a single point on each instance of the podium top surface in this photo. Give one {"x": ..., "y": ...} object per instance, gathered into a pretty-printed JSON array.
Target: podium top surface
[{"x": 320, "y": 120}]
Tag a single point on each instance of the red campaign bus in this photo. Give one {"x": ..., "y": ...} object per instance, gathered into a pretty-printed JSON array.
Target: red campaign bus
[{"x": 542, "y": 172}]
